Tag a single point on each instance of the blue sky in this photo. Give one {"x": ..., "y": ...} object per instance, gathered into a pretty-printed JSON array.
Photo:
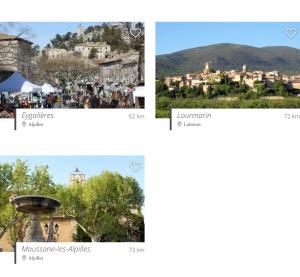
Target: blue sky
[
  {"x": 60, "y": 167},
  {"x": 44, "y": 31},
  {"x": 176, "y": 36}
]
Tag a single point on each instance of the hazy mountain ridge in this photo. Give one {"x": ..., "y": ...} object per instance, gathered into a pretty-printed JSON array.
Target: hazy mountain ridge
[{"x": 227, "y": 56}]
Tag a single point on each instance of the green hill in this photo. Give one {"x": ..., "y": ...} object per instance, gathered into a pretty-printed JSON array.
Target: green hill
[{"x": 227, "y": 56}]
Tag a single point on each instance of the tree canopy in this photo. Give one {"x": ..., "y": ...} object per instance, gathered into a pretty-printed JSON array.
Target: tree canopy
[{"x": 107, "y": 207}]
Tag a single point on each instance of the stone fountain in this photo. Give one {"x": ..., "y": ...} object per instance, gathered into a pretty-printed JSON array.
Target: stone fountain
[{"x": 35, "y": 206}]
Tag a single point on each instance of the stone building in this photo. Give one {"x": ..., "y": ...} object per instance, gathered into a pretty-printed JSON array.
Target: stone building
[
  {"x": 123, "y": 69},
  {"x": 77, "y": 177},
  {"x": 208, "y": 78},
  {"x": 80, "y": 30},
  {"x": 56, "y": 53},
  {"x": 15, "y": 54},
  {"x": 207, "y": 68},
  {"x": 170, "y": 81},
  {"x": 294, "y": 85},
  {"x": 103, "y": 49}
]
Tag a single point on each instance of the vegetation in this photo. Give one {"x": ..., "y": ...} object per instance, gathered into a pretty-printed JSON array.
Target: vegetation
[
  {"x": 103, "y": 207},
  {"x": 226, "y": 56},
  {"x": 16, "y": 179},
  {"x": 64, "y": 72},
  {"x": 137, "y": 43},
  {"x": 67, "y": 41},
  {"x": 93, "y": 53},
  {"x": 106, "y": 208},
  {"x": 112, "y": 35},
  {"x": 226, "y": 94},
  {"x": 163, "y": 112},
  {"x": 81, "y": 236}
]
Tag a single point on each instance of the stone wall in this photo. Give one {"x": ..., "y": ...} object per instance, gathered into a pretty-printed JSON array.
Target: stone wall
[
  {"x": 24, "y": 59},
  {"x": 85, "y": 49},
  {"x": 110, "y": 72},
  {"x": 9, "y": 54},
  {"x": 16, "y": 55},
  {"x": 66, "y": 229},
  {"x": 5, "y": 243},
  {"x": 122, "y": 70},
  {"x": 129, "y": 73}
]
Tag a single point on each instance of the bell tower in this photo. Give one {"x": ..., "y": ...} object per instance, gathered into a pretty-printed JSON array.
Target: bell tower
[
  {"x": 207, "y": 67},
  {"x": 77, "y": 177}
]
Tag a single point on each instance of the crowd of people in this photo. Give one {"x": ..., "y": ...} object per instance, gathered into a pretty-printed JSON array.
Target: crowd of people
[{"x": 82, "y": 99}]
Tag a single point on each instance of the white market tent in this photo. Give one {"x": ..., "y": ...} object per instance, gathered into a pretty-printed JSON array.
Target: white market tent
[
  {"x": 17, "y": 83},
  {"x": 47, "y": 88},
  {"x": 139, "y": 92}
]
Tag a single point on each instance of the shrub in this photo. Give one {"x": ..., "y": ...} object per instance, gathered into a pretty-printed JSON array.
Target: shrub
[{"x": 163, "y": 102}]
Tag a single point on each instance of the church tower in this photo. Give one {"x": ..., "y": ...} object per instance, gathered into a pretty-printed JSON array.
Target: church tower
[
  {"x": 77, "y": 177},
  {"x": 80, "y": 30},
  {"x": 207, "y": 67}
]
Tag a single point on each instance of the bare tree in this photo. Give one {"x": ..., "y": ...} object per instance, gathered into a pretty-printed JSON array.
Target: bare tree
[{"x": 68, "y": 71}]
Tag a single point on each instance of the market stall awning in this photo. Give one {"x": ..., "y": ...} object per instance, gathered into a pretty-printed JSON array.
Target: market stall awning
[
  {"x": 17, "y": 83},
  {"x": 47, "y": 88}
]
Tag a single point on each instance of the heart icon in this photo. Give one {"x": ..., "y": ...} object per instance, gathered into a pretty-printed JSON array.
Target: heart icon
[
  {"x": 135, "y": 32},
  {"x": 135, "y": 166},
  {"x": 291, "y": 32}
]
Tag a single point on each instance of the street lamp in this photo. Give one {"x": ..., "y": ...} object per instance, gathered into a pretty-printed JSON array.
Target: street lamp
[
  {"x": 51, "y": 231},
  {"x": 46, "y": 228},
  {"x": 56, "y": 228}
]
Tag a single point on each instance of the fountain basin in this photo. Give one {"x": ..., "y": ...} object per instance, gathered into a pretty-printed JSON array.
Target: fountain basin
[{"x": 33, "y": 204}]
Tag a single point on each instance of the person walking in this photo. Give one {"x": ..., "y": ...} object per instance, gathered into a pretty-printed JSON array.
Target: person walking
[{"x": 49, "y": 101}]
